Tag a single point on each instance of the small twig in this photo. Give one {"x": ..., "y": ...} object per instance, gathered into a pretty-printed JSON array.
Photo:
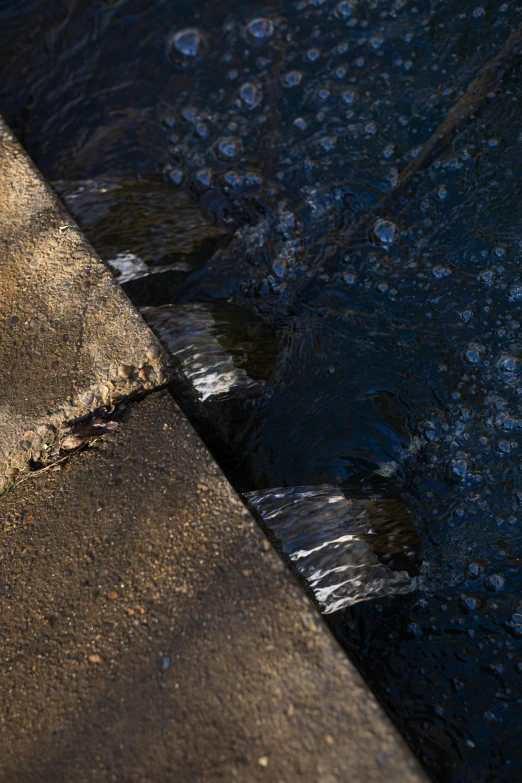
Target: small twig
[
  {"x": 481, "y": 88},
  {"x": 34, "y": 473}
]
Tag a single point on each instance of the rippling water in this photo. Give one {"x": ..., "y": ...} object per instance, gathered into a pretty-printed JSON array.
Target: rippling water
[{"x": 353, "y": 344}]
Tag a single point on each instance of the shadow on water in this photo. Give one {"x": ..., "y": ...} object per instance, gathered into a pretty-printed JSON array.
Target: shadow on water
[{"x": 339, "y": 285}]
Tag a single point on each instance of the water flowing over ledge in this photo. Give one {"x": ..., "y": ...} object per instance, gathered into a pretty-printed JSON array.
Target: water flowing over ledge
[{"x": 348, "y": 549}]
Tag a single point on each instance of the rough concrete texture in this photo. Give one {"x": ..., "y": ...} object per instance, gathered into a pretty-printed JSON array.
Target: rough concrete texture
[
  {"x": 70, "y": 340},
  {"x": 150, "y": 634}
]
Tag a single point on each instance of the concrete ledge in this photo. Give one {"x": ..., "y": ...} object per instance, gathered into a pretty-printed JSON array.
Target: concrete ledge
[
  {"x": 150, "y": 633},
  {"x": 70, "y": 340}
]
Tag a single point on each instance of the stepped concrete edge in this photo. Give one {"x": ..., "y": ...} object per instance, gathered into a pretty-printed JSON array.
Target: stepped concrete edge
[
  {"x": 137, "y": 552},
  {"x": 151, "y": 633},
  {"x": 70, "y": 339}
]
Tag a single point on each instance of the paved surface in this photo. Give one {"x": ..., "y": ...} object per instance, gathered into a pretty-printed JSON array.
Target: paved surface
[
  {"x": 149, "y": 633},
  {"x": 70, "y": 340}
]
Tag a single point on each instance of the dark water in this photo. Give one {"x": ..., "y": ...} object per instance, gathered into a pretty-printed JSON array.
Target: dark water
[{"x": 363, "y": 384}]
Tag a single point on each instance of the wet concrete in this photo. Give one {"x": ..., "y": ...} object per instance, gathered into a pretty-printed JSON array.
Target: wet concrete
[
  {"x": 150, "y": 633},
  {"x": 70, "y": 340}
]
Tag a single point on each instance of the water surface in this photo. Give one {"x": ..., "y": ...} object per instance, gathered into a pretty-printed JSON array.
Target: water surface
[{"x": 218, "y": 157}]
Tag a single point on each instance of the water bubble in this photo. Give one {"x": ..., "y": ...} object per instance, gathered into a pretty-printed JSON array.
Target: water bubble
[
  {"x": 251, "y": 94},
  {"x": 474, "y": 570},
  {"x": 442, "y": 193},
  {"x": 312, "y": 55},
  {"x": 323, "y": 93},
  {"x": 487, "y": 276},
  {"x": 384, "y": 232},
  {"x": 184, "y": 46},
  {"x": 228, "y": 148},
  {"x": 441, "y": 271},
  {"x": 495, "y": 582},
  {"x": 430, "y": 432},
  {"x": 370, "y": 128},
  {"x": 475, "y": 353},
  {"x": 349, "y": 96},
  {"x": 253, "y": 178},
  {"x": 190, "y": 114},
  {"x": 414, "y": 629},
  {"x": 376, "y": 41},
  {"x": 345, "y": 9},
  {"x": 233, "y": 178},
  {"x": 504, "y": 446},
  {"x": 508, "y": 363},
  {"x": 327, "y": 143},
  {"x": 350, "y": 278},
  {"x": 503, "y": 421},
  {"x": 515, "y": 625},
  {"x": 515, "y": 293},
  {"x": 300, "y": 123},
  {"x": 279, "y": 266},
  {"x": 478, "y": 11},
  {"x": 260, "y": 29},
  {"x": 458, "y": 469},
  {"x": 469, "y": 603},
  {"x": 204, "y": 177},
  {"x": 176, "y": 176},
  {"x": 291, "y": 79}
]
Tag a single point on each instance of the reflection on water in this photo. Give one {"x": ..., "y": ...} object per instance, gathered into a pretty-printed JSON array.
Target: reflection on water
[
  {"x": 347, "y": 549},
  {"x": 358, "y": 289}
]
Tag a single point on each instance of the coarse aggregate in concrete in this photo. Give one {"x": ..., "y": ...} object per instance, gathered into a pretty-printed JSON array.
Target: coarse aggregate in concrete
[
  {"x": 150, "y": 634},
  {"x": 70, "y": 340}
]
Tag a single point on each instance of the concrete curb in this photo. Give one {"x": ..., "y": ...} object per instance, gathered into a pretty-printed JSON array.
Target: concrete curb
[
  {"x": 149, "y": 631},
  {"x": 70, "y": 340},
  {"x": 151, "y": 634}
]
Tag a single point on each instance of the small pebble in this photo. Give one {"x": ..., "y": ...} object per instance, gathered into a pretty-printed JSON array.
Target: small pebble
[
  {"x": 125, "y": 370},
  {"x": 73, "y": 442},
  {"x": 263, "y": 761},
  {"x": 153, "y": 352},
  {"x": 144, "y": 373},
  {"x": 94, "y": 658}
]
